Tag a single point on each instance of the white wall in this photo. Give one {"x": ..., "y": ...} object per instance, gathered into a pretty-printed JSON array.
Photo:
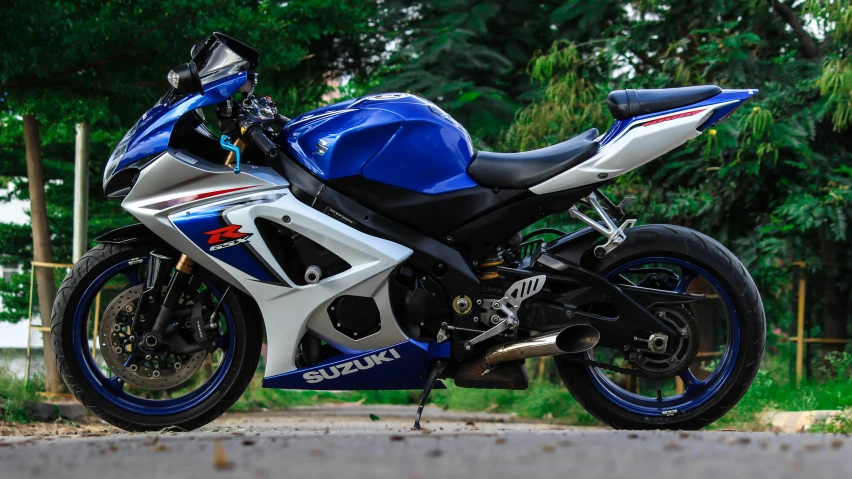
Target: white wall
[{"x": 14, "y": 335}]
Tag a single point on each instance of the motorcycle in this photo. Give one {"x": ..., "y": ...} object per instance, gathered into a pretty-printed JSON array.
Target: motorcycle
[{"x": 374, "y": 249}]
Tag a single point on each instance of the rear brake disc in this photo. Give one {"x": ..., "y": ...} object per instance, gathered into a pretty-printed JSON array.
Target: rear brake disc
[{"x": 685, "y": 345}]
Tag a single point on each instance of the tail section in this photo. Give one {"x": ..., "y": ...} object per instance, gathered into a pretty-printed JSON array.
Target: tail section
[{"x": 672, "y": 117}]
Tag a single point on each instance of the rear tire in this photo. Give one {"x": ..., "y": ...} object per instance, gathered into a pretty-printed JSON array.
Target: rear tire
[
  {"x": 701, "y": 250},
  {"x": 247, "y": 345}
]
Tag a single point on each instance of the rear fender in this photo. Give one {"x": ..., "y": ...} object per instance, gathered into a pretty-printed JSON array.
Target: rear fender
[{"x": 573, "y": 246}]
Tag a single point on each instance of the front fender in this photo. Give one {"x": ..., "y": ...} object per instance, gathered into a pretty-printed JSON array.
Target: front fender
[{"x": 130, "y": 234}]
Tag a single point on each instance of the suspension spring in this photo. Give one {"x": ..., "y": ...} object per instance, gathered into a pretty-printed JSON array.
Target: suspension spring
[
  {"x": 488, "y": 268},
  {"x": 184, "y": 264}
]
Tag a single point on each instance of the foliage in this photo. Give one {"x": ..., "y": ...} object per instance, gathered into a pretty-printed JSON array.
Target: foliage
[
  {"x": 841, "y": 424},
  {"x": 14, "y": 394},
  {"x": 772, "y": 182},
  {"x": 470, "y": 55},
  {"x": 772, "y": 390},
  {"x": 834, "y": 18},
  {"x": 570, "y": 101},
  {"x": 106, "y": 62},
  {"x": 543, "y": 399}
]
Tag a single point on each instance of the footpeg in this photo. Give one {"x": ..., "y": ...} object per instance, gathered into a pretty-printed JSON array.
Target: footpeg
[
  {"x": 501, "y": 313},
  {"x": 437, "y": 369},
  {"x": 614, "y": 234}
]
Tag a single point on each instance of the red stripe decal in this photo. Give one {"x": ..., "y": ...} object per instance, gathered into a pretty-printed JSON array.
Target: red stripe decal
[
  {"x": 673, "y": 117},
  {"x": 186, "y": 199}
]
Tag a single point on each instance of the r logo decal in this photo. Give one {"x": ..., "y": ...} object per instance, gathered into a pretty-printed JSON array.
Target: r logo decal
[
  {"x": 226, "y": 237},
  {"x": 230, "y": 232}
]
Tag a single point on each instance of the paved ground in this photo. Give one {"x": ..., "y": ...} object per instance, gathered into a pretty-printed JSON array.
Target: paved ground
[{"x": 347, "y": 442}]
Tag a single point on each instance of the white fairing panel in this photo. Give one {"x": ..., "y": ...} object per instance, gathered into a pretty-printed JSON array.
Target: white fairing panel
[
  {"x": 286, "y": 310},
  {"x": 177, "y": 188},
  {"x": 641, "y": 143}
]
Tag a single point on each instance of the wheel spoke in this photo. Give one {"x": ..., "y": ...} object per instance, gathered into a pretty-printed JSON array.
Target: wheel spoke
[
  {"x": 686, "y": 278},
  {"x": 690, "y": 382},
  {"x": 116, "y": 384},
  {"x": 132, "y": 276}
]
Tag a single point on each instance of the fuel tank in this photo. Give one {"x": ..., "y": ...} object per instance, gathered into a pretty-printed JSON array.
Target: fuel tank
[{"x": 397, "y": 139}]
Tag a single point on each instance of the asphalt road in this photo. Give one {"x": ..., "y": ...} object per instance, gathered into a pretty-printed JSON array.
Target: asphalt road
[{"x": 347, "y": 443}]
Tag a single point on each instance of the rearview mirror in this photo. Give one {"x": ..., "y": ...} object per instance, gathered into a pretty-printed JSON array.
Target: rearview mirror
[
  {"x": 197, "y": 48},
  {"x": 186, "y": 79}
]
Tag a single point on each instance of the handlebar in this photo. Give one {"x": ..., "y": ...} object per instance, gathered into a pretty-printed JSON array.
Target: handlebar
[{"x": 256, "y": 136}]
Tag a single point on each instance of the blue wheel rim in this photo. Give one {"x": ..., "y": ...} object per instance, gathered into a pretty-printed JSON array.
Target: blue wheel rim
[
  {"x": 110, "y": 389},
  {"x": 696, "y": 392}
]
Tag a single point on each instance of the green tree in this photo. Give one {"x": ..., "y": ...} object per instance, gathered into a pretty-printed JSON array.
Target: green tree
[
  {"x": 106, "y": 62},
  {"x": 470, "y": 55},
  {"x": 773, "y": 182}
]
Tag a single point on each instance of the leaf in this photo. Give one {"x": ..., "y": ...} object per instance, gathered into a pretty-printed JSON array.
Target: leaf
[{"x": 469, "y": 96}]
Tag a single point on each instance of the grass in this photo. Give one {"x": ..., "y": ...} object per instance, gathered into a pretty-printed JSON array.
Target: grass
[
  {"x": 839, "y": 425},
  {"x": 542, "y": 400},
  {"x": 14, "y": 394},
  {"x": 772, "y": 390}
]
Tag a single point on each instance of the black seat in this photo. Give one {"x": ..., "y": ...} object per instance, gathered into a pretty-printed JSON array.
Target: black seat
[
  {"x": 522, "y": 170},
  {"x": 626, "y": 103}
]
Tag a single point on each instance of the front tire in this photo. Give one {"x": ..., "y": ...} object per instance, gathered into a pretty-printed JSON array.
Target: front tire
[
  {"x": 734, "y": 284},
  {"x": 86, "y": 379}
]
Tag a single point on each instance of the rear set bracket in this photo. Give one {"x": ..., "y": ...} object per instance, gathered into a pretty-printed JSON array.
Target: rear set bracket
[
  {"x": 614, "y": 234},
  {"x": 501, "y": 313}
]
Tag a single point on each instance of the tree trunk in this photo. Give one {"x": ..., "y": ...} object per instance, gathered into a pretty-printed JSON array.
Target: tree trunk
[
  {"x": 81, "y": 192},
  {"x": 835, "y": 299},
  {"x": 809, "y": 47},
  {"x": 41, "y": 248}
]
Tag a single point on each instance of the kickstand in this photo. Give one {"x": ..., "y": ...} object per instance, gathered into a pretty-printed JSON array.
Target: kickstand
[{"x": 436, "y": 371}]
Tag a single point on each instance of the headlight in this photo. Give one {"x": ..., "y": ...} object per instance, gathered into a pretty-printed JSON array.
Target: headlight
[{"x": 117, "y": 155}]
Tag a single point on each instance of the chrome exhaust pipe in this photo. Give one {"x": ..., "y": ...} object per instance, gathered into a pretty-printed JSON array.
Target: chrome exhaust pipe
[{"x": 573, "y": 339}]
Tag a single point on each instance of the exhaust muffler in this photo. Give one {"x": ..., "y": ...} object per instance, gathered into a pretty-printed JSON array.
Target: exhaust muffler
[{"x": 573, "y": 339}]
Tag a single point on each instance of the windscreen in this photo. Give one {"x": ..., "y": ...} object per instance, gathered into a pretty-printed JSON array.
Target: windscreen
[{"x": 221, "y": 56}]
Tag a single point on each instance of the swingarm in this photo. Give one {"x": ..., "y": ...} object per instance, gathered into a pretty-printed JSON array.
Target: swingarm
[{"x": 633, "y": 324}]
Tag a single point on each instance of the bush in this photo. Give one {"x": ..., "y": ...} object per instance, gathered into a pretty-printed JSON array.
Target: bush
[{"x": 14, "y": 394}]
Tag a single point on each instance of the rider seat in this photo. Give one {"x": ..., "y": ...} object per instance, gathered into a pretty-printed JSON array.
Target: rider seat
[
  {"x": 624, "y": 104},
  {"x": 522, "y": 170}
]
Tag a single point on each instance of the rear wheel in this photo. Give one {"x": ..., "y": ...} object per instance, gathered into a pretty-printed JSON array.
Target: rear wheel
[
  {"x": 729, "y": 325},
  {"x": 91, "y": 336}
]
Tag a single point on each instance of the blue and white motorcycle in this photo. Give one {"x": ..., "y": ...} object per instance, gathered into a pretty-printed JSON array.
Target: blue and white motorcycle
[{"x": 373, "y": 248}]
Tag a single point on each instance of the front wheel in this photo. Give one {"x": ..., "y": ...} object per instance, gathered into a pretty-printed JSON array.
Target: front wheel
[
  {"x": 729, "y": 320},
  {"x": 93, "y": 342}
]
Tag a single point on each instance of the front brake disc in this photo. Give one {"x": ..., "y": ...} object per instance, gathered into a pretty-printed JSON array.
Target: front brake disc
[{"x": 164, "y": 370}]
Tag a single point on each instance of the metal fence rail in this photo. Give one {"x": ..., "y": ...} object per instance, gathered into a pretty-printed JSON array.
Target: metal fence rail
[
  {"x": 801, "y": 341},
  {"x": 40, "y": 327}
]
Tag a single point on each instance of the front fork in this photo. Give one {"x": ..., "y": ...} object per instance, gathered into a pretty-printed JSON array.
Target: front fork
[{"x": 155, "y": 325}]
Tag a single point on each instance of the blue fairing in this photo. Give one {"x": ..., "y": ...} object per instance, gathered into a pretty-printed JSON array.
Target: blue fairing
[
  {"x": 401, "y": 366},
  {"x": 152, "y": 132},
  {"x": 195, "y": 226},
  {"x": 735, "y": 97},
  {"x": 397, "y": 139}
]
